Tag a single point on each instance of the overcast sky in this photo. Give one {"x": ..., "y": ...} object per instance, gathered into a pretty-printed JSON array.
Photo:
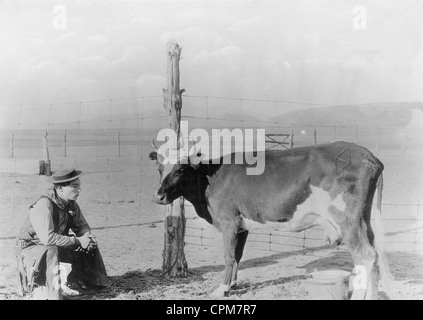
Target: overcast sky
[{"x": 317, "y": 51}]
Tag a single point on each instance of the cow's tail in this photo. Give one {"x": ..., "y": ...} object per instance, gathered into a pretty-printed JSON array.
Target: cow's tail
[{"x": 379, "y": 243}]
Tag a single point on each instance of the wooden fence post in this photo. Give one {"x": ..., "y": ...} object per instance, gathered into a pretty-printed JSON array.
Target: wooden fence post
[
  {"x": 291, "y": 141},
  {"x": 45, "y": 164},
  {"x": 12, "y": 145},
  {"x": 404, "y": 133},
  {"x": 64, "y": 144},
  {"x": 174, "y": 262},
  {"x": 417, "y": 227},
  {"x": 118, "y": 142},
  {"x": 334, "y": 131}
]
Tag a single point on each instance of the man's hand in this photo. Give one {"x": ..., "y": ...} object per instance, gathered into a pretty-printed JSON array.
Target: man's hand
[
  {"x": 84, "y": 241},
  {"x": 93, "y": 243}
]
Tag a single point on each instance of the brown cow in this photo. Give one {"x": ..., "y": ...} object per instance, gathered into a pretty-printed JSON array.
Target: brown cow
[{"x": 331, "y": 185}]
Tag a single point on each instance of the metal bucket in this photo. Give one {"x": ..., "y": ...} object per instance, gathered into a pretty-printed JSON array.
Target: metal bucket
[{"x": 328, "y": 285}]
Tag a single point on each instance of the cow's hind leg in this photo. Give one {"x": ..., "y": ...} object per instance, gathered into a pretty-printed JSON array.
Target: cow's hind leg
[
  {"x": 365, "y": 281},
  {"x": 359, "y": 239},
  {"x": 234, "y": 239}
]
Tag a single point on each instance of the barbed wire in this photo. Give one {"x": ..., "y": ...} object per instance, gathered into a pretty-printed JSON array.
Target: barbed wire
[
  {"x": 268, "y": 238},
  {"x": 276, "y": 123},
  {"x": 308, "y": 104},
  {"x": 80, "y": 101}
]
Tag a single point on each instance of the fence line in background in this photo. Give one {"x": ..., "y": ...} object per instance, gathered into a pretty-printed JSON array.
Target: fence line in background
[
  {"x": 81, "y": 101},
  {"x": 307, "y": 105},
  {"x": 117, "y": 139},
  {"x": 206, "y": 101},
  {"x": 278, "y": 123},
  {"x": 120, "y": 136}
]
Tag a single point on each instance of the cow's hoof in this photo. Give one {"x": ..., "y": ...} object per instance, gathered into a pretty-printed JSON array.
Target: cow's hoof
[{"x": 220, "y": 292}]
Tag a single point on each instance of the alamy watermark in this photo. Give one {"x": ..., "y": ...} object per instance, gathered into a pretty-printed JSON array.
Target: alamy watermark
[
  {"x": 360, "y": 17},
  {"x": 211, "y": 147},
  {"x": 60, "y": 19}
]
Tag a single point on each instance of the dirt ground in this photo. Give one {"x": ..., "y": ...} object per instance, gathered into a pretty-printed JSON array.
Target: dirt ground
[{"x": 116, "y": 201}]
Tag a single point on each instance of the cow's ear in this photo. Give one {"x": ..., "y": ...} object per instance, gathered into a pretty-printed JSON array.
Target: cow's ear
[
  {"x": 157, "y": 158},
  {"x": 153, "y": 156}
]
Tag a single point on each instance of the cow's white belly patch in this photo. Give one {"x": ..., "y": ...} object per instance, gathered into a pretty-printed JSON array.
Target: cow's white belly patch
[
  {"x": 318, "y": 204},
  {"x": 314, "y": 210}
]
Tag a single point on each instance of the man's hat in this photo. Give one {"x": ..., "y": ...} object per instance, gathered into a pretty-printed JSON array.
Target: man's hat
[{"x": 64, "y": 175}]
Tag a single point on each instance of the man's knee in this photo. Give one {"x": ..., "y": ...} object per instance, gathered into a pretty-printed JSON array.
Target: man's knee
[
  {"x": 52, "y": 254},
  {"x": 52, "y": 250}
]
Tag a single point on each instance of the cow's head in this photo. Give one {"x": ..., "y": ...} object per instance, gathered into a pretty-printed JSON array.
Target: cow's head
[{"x": 176, "y": 180}]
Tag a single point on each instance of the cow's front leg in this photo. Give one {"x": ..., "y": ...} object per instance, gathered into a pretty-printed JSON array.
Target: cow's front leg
[
  {"x": 241, "y": 238},
  {"x": 229, "y": 245},
  {"x": 233, "y": 243}
]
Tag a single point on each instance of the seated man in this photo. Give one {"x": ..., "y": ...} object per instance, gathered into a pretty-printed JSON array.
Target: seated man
[{"x": 44, "y": 241}]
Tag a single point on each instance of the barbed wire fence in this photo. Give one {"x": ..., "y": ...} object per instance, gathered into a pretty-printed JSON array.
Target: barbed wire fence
[
  {"x": 84, "y": 129},
  {"x": 272, "y": 239}
]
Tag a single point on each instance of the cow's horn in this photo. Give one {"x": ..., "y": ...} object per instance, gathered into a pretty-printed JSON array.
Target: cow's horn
[
  {"x": 153, "y": 144},
  {"x": 193, "y": 151}
]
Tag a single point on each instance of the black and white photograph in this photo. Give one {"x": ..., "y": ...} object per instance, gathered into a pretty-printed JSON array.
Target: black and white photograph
[{"x": 222, "y": 152}]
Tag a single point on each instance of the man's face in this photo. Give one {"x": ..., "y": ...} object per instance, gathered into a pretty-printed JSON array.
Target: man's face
[{"x": 71, "y": 191}]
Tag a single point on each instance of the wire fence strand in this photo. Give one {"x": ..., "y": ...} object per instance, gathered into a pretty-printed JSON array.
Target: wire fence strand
[{"x": 144, "y": 122}]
